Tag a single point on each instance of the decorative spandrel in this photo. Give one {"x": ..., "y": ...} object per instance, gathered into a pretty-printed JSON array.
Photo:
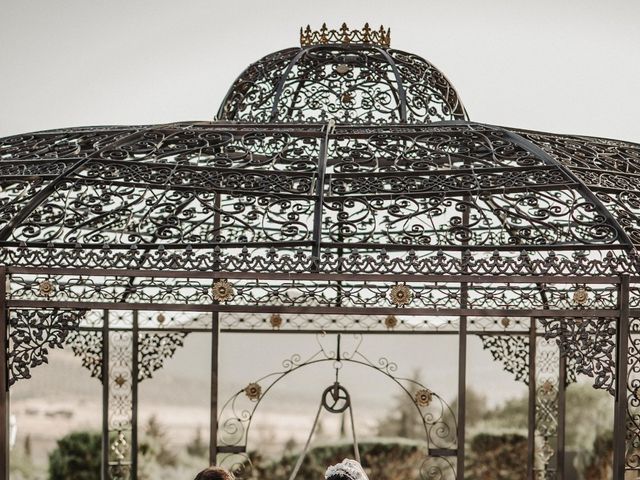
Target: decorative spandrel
[
  {"x": 32, "y": 333},
  {"x": 512, "y": 351},
  {"x": 88, "y": 346},
  {"x": 154, "y": 349},
  {"x": 589, "y": 344}
]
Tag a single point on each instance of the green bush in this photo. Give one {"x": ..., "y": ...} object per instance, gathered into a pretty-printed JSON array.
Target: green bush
[
  {"x": 76, "y": 457},
  {"x": 383, "y": 459},
  {"x": 498, "y": 457}
]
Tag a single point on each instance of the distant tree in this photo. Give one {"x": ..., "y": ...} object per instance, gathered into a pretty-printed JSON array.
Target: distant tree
[
  {"x": 290, "y": 446},
  {"x": 77, "y": 457},
  {"x": 155, "y": 445},
  {"x": 404, "y": 419},
  {"x": 197, "y": 446},
  {"x": 27, "y": 446},
  {"x": 512, "y": 415},
  {"x": 320, "y": 433},
  {"x": 476, "y": 406},
  {"x": 589, "y": 415}
]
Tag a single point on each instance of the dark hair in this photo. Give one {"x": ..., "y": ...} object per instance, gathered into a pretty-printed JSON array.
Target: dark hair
[
  {"x": 214, "y": 473},
  {"x": 338, "y": 476}
]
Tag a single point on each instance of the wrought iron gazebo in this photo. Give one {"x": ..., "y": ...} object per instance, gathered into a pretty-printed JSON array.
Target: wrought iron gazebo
[{"x": 341, "y": 189}]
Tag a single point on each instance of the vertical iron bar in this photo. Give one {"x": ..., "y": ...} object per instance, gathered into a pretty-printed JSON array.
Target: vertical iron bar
[
  {"x": 562, "y": 407},
  {"x": 462, "y": 362},
  {"x": 134, "y": 399},
  {"x": 622, "y": 354},
  {"x": 462, "y": 392},
  {"x": 105, "y": 395},
  {"x": 213, "y": 434},
  {"x": 4, "y": 377},
  {"x": 531, "y": 424},
  {"x": 215, "y": 343},
  {"x": 319, "y": 204}
]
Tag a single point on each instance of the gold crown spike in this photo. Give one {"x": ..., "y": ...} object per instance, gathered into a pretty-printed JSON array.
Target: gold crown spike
[{"x": 345, "y": 36}]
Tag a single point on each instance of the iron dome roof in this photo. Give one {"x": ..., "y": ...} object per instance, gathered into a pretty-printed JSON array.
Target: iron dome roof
[
  {"x": 349, "y": 76},
  {"x": 342, "y": 153}
]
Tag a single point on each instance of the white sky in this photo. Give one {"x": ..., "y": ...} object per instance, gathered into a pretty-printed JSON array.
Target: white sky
[{"x": 570, "y": 66}]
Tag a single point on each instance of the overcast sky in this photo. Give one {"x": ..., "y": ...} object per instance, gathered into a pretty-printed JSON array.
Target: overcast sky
[{"x": 570, "y": 66}]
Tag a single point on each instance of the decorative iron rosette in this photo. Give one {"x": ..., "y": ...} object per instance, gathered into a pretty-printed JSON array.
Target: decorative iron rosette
[
  {"x": 580, "y": 296},
  {"x": 423, "y": 397},
  {"x": 46, "y": 288},
  {"x": 253, "y": 391},
  {"x": 222, "y": 291},
  {"x": 400, "y": 295},
  {"x": 391, "y": 322},
  {"x": 276, "y": 321}
]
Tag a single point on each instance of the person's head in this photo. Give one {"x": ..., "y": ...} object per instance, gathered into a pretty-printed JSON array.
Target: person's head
[{"x": 214, "y": 473}]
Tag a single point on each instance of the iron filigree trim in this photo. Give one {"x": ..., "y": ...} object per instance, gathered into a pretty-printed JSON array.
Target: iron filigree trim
[{"x": 32, "y": 333}]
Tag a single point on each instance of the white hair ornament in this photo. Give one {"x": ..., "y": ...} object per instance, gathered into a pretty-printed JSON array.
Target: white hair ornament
[{"x": 347, "y": 468}]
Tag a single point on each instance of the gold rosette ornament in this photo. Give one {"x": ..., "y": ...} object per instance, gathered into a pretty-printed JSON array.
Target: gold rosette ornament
[
  {"x": 580, "y": 296},
  {"x": 253, "y": 391},
  {"x": 547, "y": 387},
  {"x": 120, "y": 380},
  {"x": 276, "y": 321},
  {"x": 391, "y": 322},
  {"x": 46, "y": 288},
  {"x": 400, "y": 295},
  {"x": 423, "y": 397},
  {"x": 222, "y": 291}
]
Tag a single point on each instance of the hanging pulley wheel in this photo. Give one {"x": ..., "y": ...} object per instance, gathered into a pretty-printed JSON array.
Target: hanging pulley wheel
[{"x": 336, "y": 399}]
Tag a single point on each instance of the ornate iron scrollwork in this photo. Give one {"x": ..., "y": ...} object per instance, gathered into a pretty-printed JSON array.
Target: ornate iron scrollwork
[
  {"x": 154, "y": 349},
  {"x": 32, "y": 333},
  {"x": 88, "y": 346},
  {"x": 512, "y": 351},
  {"x": 589, "y": 344},
  {"x": 632, "y": 458}
]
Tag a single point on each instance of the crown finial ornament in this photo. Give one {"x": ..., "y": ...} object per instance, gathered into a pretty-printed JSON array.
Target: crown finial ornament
[{"x": 345, "y": 36}]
